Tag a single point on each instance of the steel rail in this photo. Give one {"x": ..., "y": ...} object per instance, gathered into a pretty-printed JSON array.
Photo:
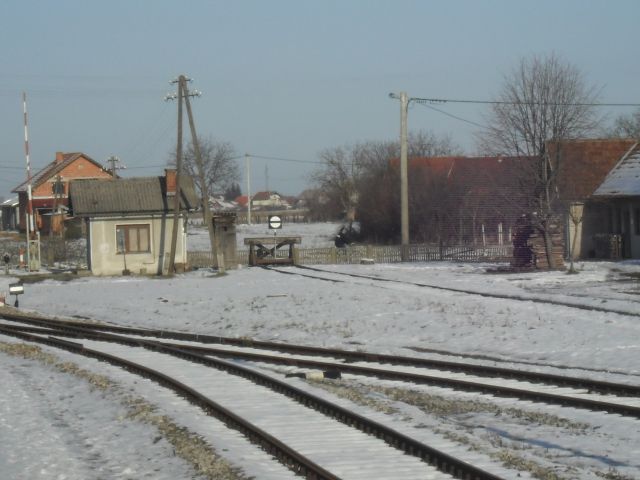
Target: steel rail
[
  {"x": 440, "y": 460},
  {"x": 500, "y": 296},
  {"x": 290, "y": 458},
  {"x": 592, "y": 386},
  {"x": 463, "y": 385}
]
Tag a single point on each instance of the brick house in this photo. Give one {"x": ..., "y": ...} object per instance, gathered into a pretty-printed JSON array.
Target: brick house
[{"x": 50, "y": 187}]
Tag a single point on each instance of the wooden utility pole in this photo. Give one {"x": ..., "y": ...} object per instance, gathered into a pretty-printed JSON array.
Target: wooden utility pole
[
  {"x": 213, "y": 239},
  {"x": 404, "y": 188},
  {"x": 176, "y": 203},
  {"x": 404, "y": 182},
  {"x": 248, "y": 168}
]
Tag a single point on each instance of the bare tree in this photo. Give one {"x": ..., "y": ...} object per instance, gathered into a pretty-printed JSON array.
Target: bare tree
[
  {"x": 626, "y": 126},
  {"x": 428, "y": 144},
  {"x": 360, "y": 182},
  {"x": 338, "y": 177},
  {"x": 544, "y": 99},
  {"x": 219, "y": 161},
  {"x": 348, "y": 171}
]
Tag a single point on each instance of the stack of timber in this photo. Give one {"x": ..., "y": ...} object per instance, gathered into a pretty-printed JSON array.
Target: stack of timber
[{"x": 541, "y": 262}]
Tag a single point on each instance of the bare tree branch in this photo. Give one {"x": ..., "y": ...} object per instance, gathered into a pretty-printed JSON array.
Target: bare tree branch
[{"x": 544, "y": 99}]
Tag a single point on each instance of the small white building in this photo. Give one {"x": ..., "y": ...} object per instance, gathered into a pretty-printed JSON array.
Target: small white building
[{"x": 129, "y": 222}]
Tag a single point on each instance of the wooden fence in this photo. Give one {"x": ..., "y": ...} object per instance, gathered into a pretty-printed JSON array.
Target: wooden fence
[{"x": 378, "y": 254}]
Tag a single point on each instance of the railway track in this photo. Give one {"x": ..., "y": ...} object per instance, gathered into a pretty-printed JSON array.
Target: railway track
[
  {"x": 623, "y": 399},
  {"x": 301, "y": 439},
  {"x": 302, "y": 270}
]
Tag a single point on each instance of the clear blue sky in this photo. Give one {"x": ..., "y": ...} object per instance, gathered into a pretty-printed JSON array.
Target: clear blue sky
[{"x": 279, "y": 78}]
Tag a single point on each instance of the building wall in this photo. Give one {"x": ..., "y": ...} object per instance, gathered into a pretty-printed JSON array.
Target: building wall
[{"x": 104, "y": 256}]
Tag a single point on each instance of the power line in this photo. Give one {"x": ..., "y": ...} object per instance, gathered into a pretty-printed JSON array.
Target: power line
[
  {"x": 471, "y": 122},
  {"x": 503, "y": 102},
  {"x": 147, "y": 166}
]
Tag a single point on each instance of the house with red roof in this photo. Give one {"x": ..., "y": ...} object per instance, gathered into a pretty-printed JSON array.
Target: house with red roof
[
  {"x": 50, "y": 187},
  {"x": 268, "y": 200},
  {"x": 473, "y": 199},
  {"x": 467, "y": 200},
  {"x": 599, "y": 208},
  {"x": 613, "y": 221}
]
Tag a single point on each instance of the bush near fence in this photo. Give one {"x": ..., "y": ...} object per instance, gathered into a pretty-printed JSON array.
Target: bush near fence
[{"x": 379, "y": 254}]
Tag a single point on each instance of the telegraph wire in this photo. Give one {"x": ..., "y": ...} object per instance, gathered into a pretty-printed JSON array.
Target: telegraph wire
[
  {"x": 431, "y": 101},
  {"x": 471, "y": 122}
]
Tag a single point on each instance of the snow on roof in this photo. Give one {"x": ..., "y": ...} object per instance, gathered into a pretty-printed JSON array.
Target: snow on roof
[
  {"x": 624, "y": 179},
  {"x": 12, "y": 202}
]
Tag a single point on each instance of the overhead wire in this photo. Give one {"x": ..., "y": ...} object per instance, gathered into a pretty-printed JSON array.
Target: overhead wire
[
  {"x": 471, "y": 122},
  {"x": 507, "y": 102}
]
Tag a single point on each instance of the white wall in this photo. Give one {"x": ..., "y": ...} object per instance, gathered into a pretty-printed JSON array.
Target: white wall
[{"x": 106, "y": 261}]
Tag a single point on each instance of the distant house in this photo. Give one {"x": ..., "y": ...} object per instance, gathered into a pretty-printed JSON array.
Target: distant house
[
  {"x": 130, "y": 222},
  {"x": 242, "y": 200},
  {"x": 268, "y": 200},
  {"x": 50, "y": 186},
  {"x": 219, "y": 204},
  {"x": 9, "y": 213}
]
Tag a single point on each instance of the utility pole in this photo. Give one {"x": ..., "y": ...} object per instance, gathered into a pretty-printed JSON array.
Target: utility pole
[
  {"x": 114, "y": 165},
  {"x": 248, "y": 175},
  {"x": 404, "y": 183},
  {"x": 176, "y": 202},
  {"x": 213, "y": 239}
]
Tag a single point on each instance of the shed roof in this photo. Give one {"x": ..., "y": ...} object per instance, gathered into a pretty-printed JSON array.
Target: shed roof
[
  {"x": 624, "y": 179},
  {"x": 128, "y": 196}
]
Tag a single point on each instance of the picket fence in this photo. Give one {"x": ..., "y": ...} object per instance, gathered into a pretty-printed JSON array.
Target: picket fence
[{"x": 377, "y": 254}]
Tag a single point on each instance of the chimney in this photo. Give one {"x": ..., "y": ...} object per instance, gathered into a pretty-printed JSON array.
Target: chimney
[
  {"x": 59, "y": 157},
  {"x": 170, "y": 174}
]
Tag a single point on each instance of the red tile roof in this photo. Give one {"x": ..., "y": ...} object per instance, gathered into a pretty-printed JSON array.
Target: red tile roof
[{"x": 584, "y": 164}]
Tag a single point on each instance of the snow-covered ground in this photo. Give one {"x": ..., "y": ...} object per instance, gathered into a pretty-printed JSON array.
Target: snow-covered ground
[{"x": 387, "y": 318}]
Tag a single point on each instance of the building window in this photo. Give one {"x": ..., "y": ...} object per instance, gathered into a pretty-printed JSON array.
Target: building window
[
  {"x": 637, "y": 220},
  {"x": 133, "y": 238}
]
